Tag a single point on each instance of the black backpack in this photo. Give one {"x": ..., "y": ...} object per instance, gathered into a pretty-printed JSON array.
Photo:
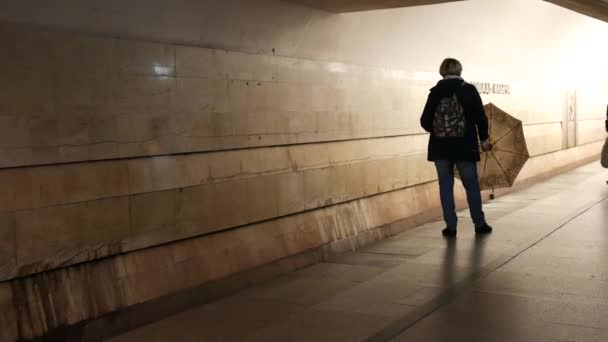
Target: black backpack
[{"x": 449, "y": 119}]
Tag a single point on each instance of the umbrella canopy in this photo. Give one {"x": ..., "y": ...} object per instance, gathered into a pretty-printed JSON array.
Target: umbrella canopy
[{"x": 500, "y": 166}]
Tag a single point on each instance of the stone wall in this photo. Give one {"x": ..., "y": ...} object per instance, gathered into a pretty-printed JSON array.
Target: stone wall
[{"x": 44, "y": 302}]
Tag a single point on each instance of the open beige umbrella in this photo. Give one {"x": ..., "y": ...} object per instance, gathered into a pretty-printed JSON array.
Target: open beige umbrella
[{"x": 500, "y": 166}]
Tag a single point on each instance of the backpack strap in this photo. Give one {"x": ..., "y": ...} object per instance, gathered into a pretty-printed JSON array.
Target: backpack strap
[{"x": 456, "y": 92}]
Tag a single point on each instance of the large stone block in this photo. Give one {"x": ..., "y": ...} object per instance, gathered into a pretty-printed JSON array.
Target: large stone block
[
  {"x": 106, "y": 223},
  {"x": 42, "y": 234},
  {"x": 8, "y": 316},
  {"x": 153, "y": 218},
  {"x": 8, "y": 245},
  {"x": 196, "y": 209},
  {"x": 143, "y": 58},
  {"x": 201, "y": 63},
  {"x": 53, "y": 236},
  {"x": 195, "y": 96}
]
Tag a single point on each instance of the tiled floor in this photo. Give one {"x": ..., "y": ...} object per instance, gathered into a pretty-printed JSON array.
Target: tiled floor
[{"x": 541, "y": 276}]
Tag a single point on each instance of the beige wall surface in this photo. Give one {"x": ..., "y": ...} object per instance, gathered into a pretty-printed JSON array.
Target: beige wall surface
[
  {"x": 73, "y": 97},
  {"x": 126, "y": 125}
]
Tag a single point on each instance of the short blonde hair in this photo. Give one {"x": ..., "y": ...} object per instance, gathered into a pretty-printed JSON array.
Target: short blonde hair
[{"x": 450, "y": 66}]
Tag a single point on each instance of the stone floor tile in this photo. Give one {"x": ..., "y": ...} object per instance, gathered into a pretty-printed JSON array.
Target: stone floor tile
[
  {"x": 385, "y": 261},
  {"x": 299, "y": 290},
  {"x": 322, "y": 326},
  {"x": 226, "y": 320},
  {"x": 325, "y": 270}
]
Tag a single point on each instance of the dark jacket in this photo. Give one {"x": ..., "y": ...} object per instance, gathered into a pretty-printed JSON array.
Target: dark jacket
[{"x": 457, "y": 149}]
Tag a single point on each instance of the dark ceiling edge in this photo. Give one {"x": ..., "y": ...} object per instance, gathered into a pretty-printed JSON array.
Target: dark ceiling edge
[
  {"x": 310, "y": 4},
  {"x": 592, "y": 8}
]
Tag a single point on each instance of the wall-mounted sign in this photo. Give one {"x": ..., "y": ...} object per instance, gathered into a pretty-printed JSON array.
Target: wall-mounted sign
[{"x": 491, "y": 88}]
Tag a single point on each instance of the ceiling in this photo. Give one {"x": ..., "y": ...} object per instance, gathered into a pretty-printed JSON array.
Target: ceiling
[
  {"x": 340, "y": 6},
  {"x": 593, "y": 8}
]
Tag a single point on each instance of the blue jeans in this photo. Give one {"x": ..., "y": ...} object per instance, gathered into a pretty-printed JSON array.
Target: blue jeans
[{"x": 468, "y": 175}]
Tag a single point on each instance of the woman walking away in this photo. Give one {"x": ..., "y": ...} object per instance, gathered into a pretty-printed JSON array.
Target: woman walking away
[{"x": 454, "y": 116}]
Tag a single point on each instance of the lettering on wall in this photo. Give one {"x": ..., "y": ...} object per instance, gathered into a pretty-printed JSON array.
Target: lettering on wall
[{"x": 492, "y": 88}]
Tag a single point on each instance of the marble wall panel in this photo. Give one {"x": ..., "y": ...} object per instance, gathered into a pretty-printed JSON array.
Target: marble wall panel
[
  {"x": 543, "y": 138},
  {"x": 591, "y": 130},
  {"x": 42, "y": 186},
  {"x": 8, "y": 316},
  {"x": 52, "y": 236},
  {"x": 127, "y": 98},
  {"x": 8, "y": 245},
  {"x": 49, "y": 236},
  {"x": 141, "y": 102}
]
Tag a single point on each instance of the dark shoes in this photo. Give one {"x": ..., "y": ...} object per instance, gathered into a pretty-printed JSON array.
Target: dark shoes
[
  {"x": 485, "y": 229},
  {"x": 450, "y": 233}
]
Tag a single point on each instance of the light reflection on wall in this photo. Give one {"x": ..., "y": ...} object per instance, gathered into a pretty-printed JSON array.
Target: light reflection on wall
[{"x": 162, "y": 70}]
